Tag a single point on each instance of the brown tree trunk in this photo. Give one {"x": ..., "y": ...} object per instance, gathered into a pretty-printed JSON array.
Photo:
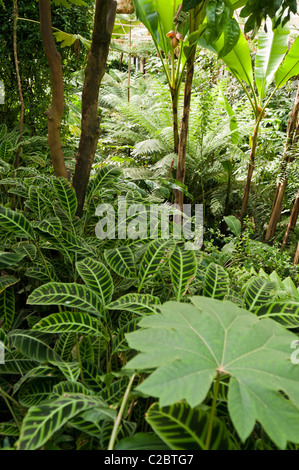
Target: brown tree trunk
[
  {"x": 54, "y": 113},
  {"x": 296, "y": 259},
  {"x": 292, "y": 221},
  {"x": 95, "y": 69},
  {"x": 182, "y": 146},
  {"x": 288, "y": 155}
]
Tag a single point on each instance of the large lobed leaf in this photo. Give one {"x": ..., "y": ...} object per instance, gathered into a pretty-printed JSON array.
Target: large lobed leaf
[{"x": 189, "y": 345}]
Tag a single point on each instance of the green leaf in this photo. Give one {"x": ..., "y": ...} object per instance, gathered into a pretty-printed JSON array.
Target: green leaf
[
  {"x": 15, "y": 223},
  {"x": 142, "y": 304},
  {"x": 52, "y": 226},
  {"x": 233, "y": 224},
  {"x": 272, "y": 47},
  {"x": 258, "y": 292},
  {"x": 155, "y": 257},
  {"x": 104, "y": 178},
  {"x": 32, "y": 345},
  {"x": 189, "y": 345},
  {"x": 10, "y": 259},
  {"x": 290, "y": 66},
  {"x": 121, "y": 260},
  {"x": 284, "y": 312},
  {"x": 182, "y": 270},
  {"x": 66, "y": 195},
  {"x": 7, "y": 308},
  {"x": 35, "y": 391},
  {"x": 68, "y": 322},
  {"x": 42, "y": 421},
  {"x": 184, "y": 428},
  {"x": 7, "y": 281},
  {"x": 97, "y": 277},
  {"x": 70, "y": 295},
  {"x": 141, "y": 441},
  {"x": 216, "y": 282}
]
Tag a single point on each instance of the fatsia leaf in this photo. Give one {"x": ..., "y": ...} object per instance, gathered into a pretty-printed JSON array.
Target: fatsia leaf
[
  {"x": 184, "y": 428},
  {"x": 182, "y": 270},
  {"x": 121, "y": 260},
  {"x": 97, "y": 277},
  {"x": 272, "y": 46},
  {"x": 42, "y": 421},
  {"x": 190, "y": 345},
  {"x": 70, "y": 295}
]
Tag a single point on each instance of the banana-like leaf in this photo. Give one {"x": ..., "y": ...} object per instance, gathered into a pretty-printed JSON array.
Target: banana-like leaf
[
  {"x": 68, "y": 322},
  {"x": 285, "y": 312},
  {"x": 155, "y": 257},
  {"x": 32, "y": 345},
  {"x": 66, "y": 195},
  {"x": 7, "y": 308},
  {"x": 258, "y": 292},
  {"x": 290, "y": 66},
  {"x": 10, "y": 259},
  {"x": 15, "y": 223},
  {"x": 97, "y": 277},
  {"x": 272, "y": 46},
  {"x": 70, "y": 295},
  {"x": 42, "y": 421},
  {"x": 188, "y": 346},
  {"x": 182, "y": 270},
  {"x": 233, "y": 224},
  {"x": 142, "y": 304},
  {"x": 121, "y": 260},
  {"x": 184, "y": 428},
  {"x": 7, "y": 281},
  {"x": 216, "y": 282}
]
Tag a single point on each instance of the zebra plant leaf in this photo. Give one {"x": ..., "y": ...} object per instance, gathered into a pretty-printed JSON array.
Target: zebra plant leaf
[
  {"x": 182, "y": 270},
  {"x": 43, "y": 420},
  {"x": 121, "y": 260},
  {"x": 52, "y": 226},
  {"x": 66, "y": 195},
  {"x": 25, "y": 248},
  {"x": 188, "y": 346},
  {"x": 7, "y": 281},
  {"x": 10, "y": 259},
  {"x": 15, "y": 223},
  {"x": 184, "y": 428},
  {"x": 70, "y": 295},
  {"x": 68, "y": 322},
  {"x": 33, "y": 346},
  {"x": 258, "y": 292},
  {"x": 284, "y": 312},
  {"x": 104, "y": 178},
  {"x": 7, "y": 308},
  {"x": 9, "y": 429},
  {"x": 216, "y": 282},
  {"x": 35, "y": 391},
  {"x": 155, "y": 257},
  {"x": 142, "y": 304},
  {"x": 97, "y": 277},
  {"x": 290, "y": 66}
]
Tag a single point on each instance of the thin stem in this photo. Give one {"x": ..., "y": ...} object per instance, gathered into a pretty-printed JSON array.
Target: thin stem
[
  {"x": 120, "y": 414},
  {"x": 212, "y": 414},
  {"x": 6, "y": 398}
]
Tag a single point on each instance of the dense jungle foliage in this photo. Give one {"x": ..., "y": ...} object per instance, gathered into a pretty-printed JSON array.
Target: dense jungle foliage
[{"x": 115, "y": 333}]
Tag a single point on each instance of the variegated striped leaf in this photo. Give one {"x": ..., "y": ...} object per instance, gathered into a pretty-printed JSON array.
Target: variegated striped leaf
[
  {"x": 68, "y": 322},
  {"x": 7, "y": 308},
  {"x": 70, "y": 295},
  {"x": 15, "y": 223},
  {"x": 66, "y": 195},
  {"x": 216, "y": 282},
  {"x": 258, "y": 292},
  {"x": 155, "y": 257},
  {"x": 182, "y": 270},
  {"x": 121, "y": 260},
  {"x": 142, "y": 304},
  {"x": 97, "y": 277}
]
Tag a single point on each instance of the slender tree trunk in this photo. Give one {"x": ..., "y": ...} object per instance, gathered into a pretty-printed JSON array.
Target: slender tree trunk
[
  {"x": 182, "y": 147},
  {"x": 296, "y": 259},
  {"x": 15, "y": 48},
  {"x": 292, "y": 221},
  {"x": 95, "y": 69},
  {"x": 175, "y": 127},
  {"x": 130, "y": 60},
  {"x": 288, "y": 155},
  {"x": 54, "y": 113},
  {"x": 250, "y": 169}
]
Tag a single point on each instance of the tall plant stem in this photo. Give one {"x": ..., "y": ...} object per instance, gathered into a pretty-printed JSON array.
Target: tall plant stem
[
  {"x": 213, "y": 411},
  {"x": 15, "y": 49},
  {"x": 120, "y": 414},
  {"x": 6, "y": 398}
]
